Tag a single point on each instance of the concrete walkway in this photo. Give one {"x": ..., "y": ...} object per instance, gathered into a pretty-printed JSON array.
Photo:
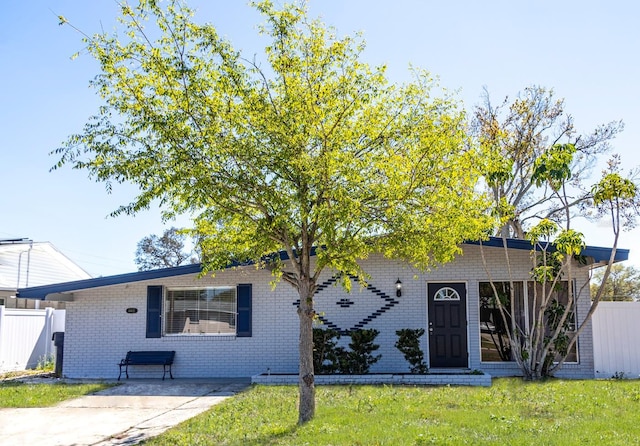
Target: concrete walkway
[{"x": 121, "y": 415}]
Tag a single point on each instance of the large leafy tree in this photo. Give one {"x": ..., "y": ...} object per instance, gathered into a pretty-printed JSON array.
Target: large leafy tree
[{"x": 310, "y": 151}]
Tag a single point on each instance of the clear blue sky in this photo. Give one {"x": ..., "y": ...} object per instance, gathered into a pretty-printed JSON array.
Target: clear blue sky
[{"x": 587, "y": 51}]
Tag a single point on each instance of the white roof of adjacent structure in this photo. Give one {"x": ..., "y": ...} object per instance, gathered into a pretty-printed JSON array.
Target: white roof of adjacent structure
[{"x": 27, "y": 264}]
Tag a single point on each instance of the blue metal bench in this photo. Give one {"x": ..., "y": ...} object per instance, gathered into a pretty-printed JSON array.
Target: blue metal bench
[{"x": 163, "y": 358}]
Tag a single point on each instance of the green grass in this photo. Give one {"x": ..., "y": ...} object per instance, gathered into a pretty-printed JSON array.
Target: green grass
[
  {"x": 17, "y": 394},
  {"x": 512, "y": 411}
]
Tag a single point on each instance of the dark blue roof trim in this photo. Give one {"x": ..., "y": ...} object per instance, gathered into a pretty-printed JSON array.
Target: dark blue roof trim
[
  {"x": 40, "y": 292},
  {"x": 602, "y": 254},
  {"x": 597, "y": 253}
]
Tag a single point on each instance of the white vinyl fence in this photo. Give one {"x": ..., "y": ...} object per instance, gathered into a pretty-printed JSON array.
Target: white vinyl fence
[
  {"x": 616, "y": 339},
  {"x": 25, "y": 336}
]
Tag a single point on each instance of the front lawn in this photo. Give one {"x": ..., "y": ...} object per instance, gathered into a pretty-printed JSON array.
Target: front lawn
[
  {"x": 513, "y": 412},
  {"x": 18, "y": 394}
]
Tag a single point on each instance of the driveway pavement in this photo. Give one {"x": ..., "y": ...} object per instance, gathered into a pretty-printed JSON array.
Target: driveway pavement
[{"x": 121, "y": 415}]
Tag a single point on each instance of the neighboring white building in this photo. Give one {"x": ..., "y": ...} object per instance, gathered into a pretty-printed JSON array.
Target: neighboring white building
[
  {"x": 237, "y": 325},
  {"x": 25, "y": 263}
]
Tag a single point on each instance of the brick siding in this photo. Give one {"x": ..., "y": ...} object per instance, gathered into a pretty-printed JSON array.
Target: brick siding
[{"x": 99, "y": 331}]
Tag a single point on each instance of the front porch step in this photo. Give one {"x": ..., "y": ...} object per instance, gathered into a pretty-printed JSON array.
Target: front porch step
[{"x": 449, "y": 371}]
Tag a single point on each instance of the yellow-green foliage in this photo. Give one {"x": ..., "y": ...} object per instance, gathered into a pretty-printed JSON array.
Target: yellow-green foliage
[{"x": 306, "y": 146}]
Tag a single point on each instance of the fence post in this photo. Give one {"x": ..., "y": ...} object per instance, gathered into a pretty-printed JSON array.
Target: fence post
[{"x": 48, "y": 332}]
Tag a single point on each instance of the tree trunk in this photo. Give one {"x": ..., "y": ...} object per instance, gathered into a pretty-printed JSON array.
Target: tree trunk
[{"x": 306, "y": 386}]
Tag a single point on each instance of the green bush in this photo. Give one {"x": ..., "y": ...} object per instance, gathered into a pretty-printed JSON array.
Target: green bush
[
  {"x": 359, "y": 359},
  {"x": 328, "y": 358},
  {"x": 326, "y": 353},
  {"x": 409, "y": 345}
]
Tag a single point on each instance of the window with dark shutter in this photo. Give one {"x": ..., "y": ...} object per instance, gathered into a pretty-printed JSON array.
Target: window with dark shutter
[
  {"x": 200, "y": 311},
  {"x": 195, "y": 311}
]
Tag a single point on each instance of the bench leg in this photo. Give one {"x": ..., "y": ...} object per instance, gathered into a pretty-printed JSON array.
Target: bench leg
[
  {"x": 164, "y": 370},
  {"x": 126, "y": 370}
]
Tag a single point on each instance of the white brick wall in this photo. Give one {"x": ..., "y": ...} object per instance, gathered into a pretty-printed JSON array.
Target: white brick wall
[{"x": 99, "y": 332}]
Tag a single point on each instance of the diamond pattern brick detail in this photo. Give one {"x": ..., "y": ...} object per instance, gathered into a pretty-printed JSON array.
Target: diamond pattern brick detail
[{"x": 386, "y": 303}]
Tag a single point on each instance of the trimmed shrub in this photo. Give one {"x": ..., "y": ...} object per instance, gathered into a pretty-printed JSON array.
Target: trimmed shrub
[
  {"x": 328, "y": 358},
  {"x": 359, "y": 358},
  {"x": 409, "y": 345},
  {"x": 326, "y": 353}
]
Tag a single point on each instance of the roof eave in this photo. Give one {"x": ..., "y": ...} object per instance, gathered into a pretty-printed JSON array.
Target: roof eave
[
  {"x": 41, "y": 292},
  {"x": 598, "y": 254}
]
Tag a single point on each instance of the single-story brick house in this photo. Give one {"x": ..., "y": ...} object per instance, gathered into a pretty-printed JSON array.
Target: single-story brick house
[{"x": 236, "y": 324}]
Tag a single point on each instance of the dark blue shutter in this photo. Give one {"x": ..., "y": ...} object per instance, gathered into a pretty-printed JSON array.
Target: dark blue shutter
[
  {"x": 154, "y": 311},
  {"x": 243, "y": 325}
]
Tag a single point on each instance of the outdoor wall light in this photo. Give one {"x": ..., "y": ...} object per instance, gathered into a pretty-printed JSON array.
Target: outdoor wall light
[{"x": 398, "y": 288}]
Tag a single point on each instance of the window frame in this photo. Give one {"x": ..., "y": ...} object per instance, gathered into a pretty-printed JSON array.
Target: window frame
[
  {"x": 168, "y": 312},
  {"x": 446, "y": 294},
  {"x": 526, "y": 306}
]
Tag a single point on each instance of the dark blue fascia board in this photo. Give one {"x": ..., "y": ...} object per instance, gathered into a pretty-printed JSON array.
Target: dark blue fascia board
[
  {"x": 40, "y": 292},
  {"x": 598, "y": 254},
  {"x": 603, "y": 254}
]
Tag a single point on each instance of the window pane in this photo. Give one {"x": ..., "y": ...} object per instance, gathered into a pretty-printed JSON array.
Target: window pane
[
  {"x": 446, "y": 293},
  {"x": 559, "y": 298},
  {"x": 201, "y": 311},
  {"x": 494, "y": 339}
]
